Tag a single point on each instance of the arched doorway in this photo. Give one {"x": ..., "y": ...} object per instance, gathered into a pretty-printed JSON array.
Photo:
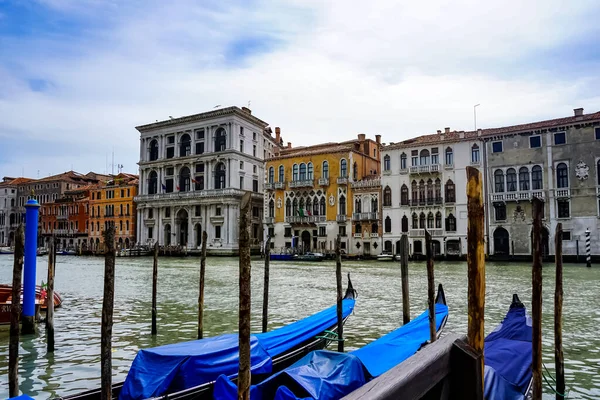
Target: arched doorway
[
  {"x": 501, "y": 242},
  {"x": 167, "y": 234},
  {"x": 305, "y": 241},
  {"x": 182, "y": 219},
  {"x": 198, "y": 231}
]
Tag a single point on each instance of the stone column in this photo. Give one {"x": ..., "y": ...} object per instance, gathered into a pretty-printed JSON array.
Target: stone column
[
  {"x": 207, "y": 175},
  {"x": 190, "y": 238},
  {"x": 159, "y": 230}
]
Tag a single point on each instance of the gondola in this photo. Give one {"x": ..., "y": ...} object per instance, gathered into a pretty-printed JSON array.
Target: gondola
[
  {"x": 329, "y": 375},
  {"x": 508, "y": 356},
  {"x": 188, "y": 370}
]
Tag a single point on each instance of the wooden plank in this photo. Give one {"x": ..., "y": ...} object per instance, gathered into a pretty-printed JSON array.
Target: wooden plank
[
  {"x": 404, "y": 274},
  {"x": 244, "y": 304},
  {"x": 15, "y": 314},
  {"x": 201, "y": 284},
  {"x": 475, "y": 261},
  {"x": 430, "y": 287},
  {"x": 413, "y": 378},
  {"x": 154, "y": 330},
  {"x": 465, "y": 376},
  {"x": 340, "y": 295},
  {"x": 265, "y": 310},
  {"x": 107, "y": 315},
  {"x": 536, "y": 300},
  {"x": 558, "y": 307},
  {"x": 50, "y": 297}
]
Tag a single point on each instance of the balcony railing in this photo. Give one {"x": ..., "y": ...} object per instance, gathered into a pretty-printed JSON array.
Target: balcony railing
[
  {"x": 519, "y": 196},
  {"x": 562, "y": 193},
  {"x": 424, "y": 169},
  {"x": 366, "y": 183},
  {"x": 358, "y": 235},
  {"x": 62, "y": 217},
  {"x": 269, "y": 220},
  {"x": 341, "y": 218},
  {"x": 342, "y": 180},
  {"x": 302, "y": 183},
  {"x": 448, "y": 166},
  {"x": 429, "y": 201},
  {"x": 192, "y": 194},
  {"x": 279, "y": 185},
  {"x": 374, "y": 235},
  {"x": 323, "y": 181},
  {"x": 368, "y": 216},
  {"x": 421, "y": 232},
  {"x": 308, "y": 219},
  {"x": 403, "y": 171},
  {"x": 386, "y": 172},
  {"x": 269, "y": 186}
]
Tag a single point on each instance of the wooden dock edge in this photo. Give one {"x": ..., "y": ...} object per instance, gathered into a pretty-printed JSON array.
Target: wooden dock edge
[{"x": 446, "y": 369}]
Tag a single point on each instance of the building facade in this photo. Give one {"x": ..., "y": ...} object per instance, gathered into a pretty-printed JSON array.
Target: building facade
[
  {"x": 424, "y": 181},
  {"x": 67, "y": 219},
  {"x": 194, "y": 171},
  {"x": 557, "y": 161},
  {"x": 313, "y": 193},
  {"x": 10, "y": 214}
]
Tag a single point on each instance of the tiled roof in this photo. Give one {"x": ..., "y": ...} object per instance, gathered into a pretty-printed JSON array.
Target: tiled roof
[
  {"x": 324, "y": 148},
  {"x": 15, "y": 181}
]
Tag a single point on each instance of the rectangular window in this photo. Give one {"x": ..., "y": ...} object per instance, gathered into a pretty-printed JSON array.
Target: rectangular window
[
  {"x": 241, "y": 146},
  {"x": 171, "y": 139},
  {"x": 197, "y": 211},
  {"x": 241, "y": 183},
  {"x": 322, "y": 231},
  {"x": 200, "y": 134},
  {"x": 169, "y": 186},
  {"x": 563, "y": 209},
  {"x": 500, "y": 212},
  {"x": 200, "y": 148},
  {"x": 560, "y": 138},
  {"x": 535, "y": 142},
  {"x": 170, "y": 152},
  {"x": 170, "y": 171},
  {"x": 218, "y": 211},
  {"x": 218, "y": 232},
  {"x": 597, "y": 133},
  {"x": 255, "y": 212},
  {"x": 241, "y": 131},
  {"x": 199, "y": 183},
  {"x": 168, "y": 212},
  {"x": 128, "y": 192},
  {"x": 271, "y": 233},
  {"x": 200, "y": 168},
  {"x": 566, "y": 235},
  {"x": 254, "y": 135},
  {"x": 255, "y": 169},
  {"x": 150, "y": 232},
  {"x": 241, "y": 165},
  {"x": 254, "y": 150},
  {"x": 255, "y": 185},
  {"x": 342, "y": 230},
  {"x": 287, "y": 232},
  {"x": 497, "y": 147},
  {"x": 122, "y": 192}
]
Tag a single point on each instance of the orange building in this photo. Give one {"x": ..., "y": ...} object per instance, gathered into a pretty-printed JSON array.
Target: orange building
[
  {"x": 113, "y": 204},
  {"x": 67, "y": 219}
]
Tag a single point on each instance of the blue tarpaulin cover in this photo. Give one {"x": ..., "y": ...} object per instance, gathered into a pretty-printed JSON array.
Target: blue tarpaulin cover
[
  {"x": 22, "y": 397},
  {"x": 507, "y": 354},
  {"x": 179, "y": 366},
  {"x": 326, "y": 375}
]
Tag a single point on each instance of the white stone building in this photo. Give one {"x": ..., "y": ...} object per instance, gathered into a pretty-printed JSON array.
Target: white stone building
[
  {"x": 194, "y": 171},
  {"x": 424, "y": 187},
  {"x": 10, "y": 217}
]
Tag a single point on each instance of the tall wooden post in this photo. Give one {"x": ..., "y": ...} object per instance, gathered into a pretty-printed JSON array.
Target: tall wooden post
[
  {"x": 244, "y": 323},
  {"x": 475, "y": 262},
  {"x": 404, "y": 274},
  {"x": 558, "y": 306},
  {"x": 107, "y": 315},
  {"x": 15, "y": 315},
  {"x": 154, "y": 330},
  {"x": 536, "y": 300},
  {"x": 50, "y": 297},
  {"x": 430, "y": 287},
  {"x": 201, "y": 287},
  {"x": 340, "y": 296},
  {"x": 265, "y": 310}
]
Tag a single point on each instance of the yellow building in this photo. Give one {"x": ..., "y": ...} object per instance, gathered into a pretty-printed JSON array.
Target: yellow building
[
  {"x": 316, "y": 192},
  {"x": 112, "y": 204}
]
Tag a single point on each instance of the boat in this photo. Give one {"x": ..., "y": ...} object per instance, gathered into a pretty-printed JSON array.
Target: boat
[
  {"x": 309, "y": 257},
  {"x": 329, "y": 375},
  {"x": 7, "y": 250},
  {"x": 42, "y": 252},
  {"x": 67, "y": 252},
  {"x": 281, "y": 257},
  {"x": 40, "y": 301},
  {"x": 508, "y": 356},
  {"x": 188, "y": 370},
  {"x": 386, "y": 256}
]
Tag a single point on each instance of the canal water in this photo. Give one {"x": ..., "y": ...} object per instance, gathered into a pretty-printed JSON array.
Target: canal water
[{"x": 297, "y": 290}]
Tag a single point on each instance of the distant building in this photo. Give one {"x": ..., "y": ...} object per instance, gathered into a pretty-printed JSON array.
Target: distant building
[
  {"x": 316, "y": 192},
  {"x": 10, "y": 214},
  {"x": 194, "y": 171}
]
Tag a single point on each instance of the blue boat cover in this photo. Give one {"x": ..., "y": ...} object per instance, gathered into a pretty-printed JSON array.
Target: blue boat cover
[
  {"x": 326, "y": 375},
  {"x": 180, "y": 366},
  {"x": 22, "y": 397},
  {"x": 508, "y": 354}
]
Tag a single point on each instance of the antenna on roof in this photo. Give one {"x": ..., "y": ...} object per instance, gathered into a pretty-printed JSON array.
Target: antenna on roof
[
  {"x": 248, "y": 103},
  {"x": 170, "y": 117},
  {"x": 217, "y": 106}
]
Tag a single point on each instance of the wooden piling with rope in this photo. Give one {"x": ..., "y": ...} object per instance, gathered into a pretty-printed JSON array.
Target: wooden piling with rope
[
  {"x": 201, "y": 284},
  {"x": 107, "y": 315},
  {"x": 15, "y": 314},
  {"x": 558, "y": 306},
  {"x": 536, "y": 299},
  {"x": 244, "y": 303}
]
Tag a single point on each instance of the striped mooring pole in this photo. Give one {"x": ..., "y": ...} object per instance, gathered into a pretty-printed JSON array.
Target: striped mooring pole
[{"x": 588, "y": 248}]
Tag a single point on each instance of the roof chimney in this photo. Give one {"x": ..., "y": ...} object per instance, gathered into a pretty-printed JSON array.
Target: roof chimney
[
  {"x": 461, "y": 134},
  {"x": 246, "y": 109},
  {"x": 278, "y": 135},
  {"x": 442, "y": 136},
  {"x": 439, "y": 131},
  {"x": 378, "y": 139},
  {"x": 479, "y": 131},
  {"x": 289, "y": 146},
  {"x": 578, "y": 112},
  {"x": 361, "y": 137},
  {"x": 446, "y": 130}
]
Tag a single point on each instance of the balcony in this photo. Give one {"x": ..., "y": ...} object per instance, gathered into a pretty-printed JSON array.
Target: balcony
[
  {"x": 323, "y": 181},
  {"x": 368, "y": 216},
  {"x": 374, "y": 235},
  {"x": 366, "y": 183},
  {"x": 269, "y": 220},
  {"x": 428, "y": 202},
  {"x": 448, "y": 166},
  {"x": 562, "y": 193},
  {"x": 386, "y": 172},
  {"x": 358, "y": 235},
  {"x": 302, "y": 183},
  {"x": 342, "y": 180},
  {"x": 269, "y": 186},
  {"x": 308, "y": 219},
  {"x": 62, "y": 217},
  {"x": 518, "y": 196},
  {"x": 190, "y": 194},
  {"x": 425, "y": 169},
  {"x": 403, "y": 171},
  {"x": 279, "y": 185},
  {"x": 341, "y": 218},
  {"x": 421, "y": 232}
]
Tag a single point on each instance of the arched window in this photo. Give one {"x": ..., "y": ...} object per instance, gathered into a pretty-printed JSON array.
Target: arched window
[
  {"x": 386, "y": 162},
  {"x": 288, "y": 207},
  {"x": 322, "y": 209},
  {"x": 355, "y": 171},
  {"x": 430, "y": 220},
  {"x": 424, "y": 157},
  {"x": 451, "y": 223},
  {"x": 153, "y": 150},
  {"x": 281, "y": 174},
  {"x": 438, "y": 220},
  {"x": 325, "y": 173},
  {"x": 404, "y": 195},
  {"x": 220, "y": 140},
  {"x": 343, "y": 168},
  {"x": 387, "y": 224},
  {"x": 429, "y": 191},
  {"x": 374, "y": 207},
  {"x": 342, "y": 202},
  {"x": 302, "y": 172},
  {"x": 185, "y": 145},
  {"x": 562, "y": 176},
  {"x": 511, "y": 180},
  {"x": 308, "y": 206},
  {"x": 301, "y": 210},
  {"x": 438, "y": 191},
  {"x": 403, "y": 161},
  {"x": 271, "y": 209},
  {"x": 449, "y": 156},
  {"x": 316, "y": 206},
  {"x": 422, "y": 221},
  {"x": 375, "y": 227},
  {"x": 536, "y": 178},
  {"x": 499, "y": 181},
  {"x": 153, "y": 183},
  {"x": 358, "y": 228},
  {"x": 295, "y": 207},
  {"x": 404, "y": 224},
  {"x": 309, "y": 171},
  {"x": 357, "y": 205},
  {"x": 295, "y": 172},
  {"x": 414, "y": 192},
  {"x": 422, "y": 199},
  {"x": 450, "y": 190},
  {"x": 220, "y": 176},
  {"x": 475, "y": 154},
  {"x": 523, "y": 178},
  {"x": 415, "y": 221},
  {"x": 387, "y": 197},
  {"x": 271, "y": 174}
]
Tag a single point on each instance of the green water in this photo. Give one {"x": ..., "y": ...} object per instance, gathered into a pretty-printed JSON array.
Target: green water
[{"x": 297, "y": 290}]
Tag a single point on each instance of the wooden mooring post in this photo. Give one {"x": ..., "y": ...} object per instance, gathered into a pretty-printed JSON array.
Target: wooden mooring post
[
  {"x": 265, "y": 310},
  {"x": 475, "y": 262},
  {"x": 201, "y": 287},
  {"x": 404, "y": 275},
  {"x": 340, "y": 296},
  {"x": 430, "y": 287},
  {"x": 15, "y": 314},
  {"x": 154, "y": 329},
  {"x": 244, "y": 304},
  {"x": 536, "y": 299},
  {"x": 558, "y": 306},
  {"x": 107, "y": 315},
  {"x": 50, "y": 297}
]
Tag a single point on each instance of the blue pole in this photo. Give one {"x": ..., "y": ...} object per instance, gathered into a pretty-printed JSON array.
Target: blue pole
[{"x": 31, "y": 231}]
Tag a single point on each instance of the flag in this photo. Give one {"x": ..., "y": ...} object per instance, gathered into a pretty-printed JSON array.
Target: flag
[
  {"x": 164, "y": 187},
  {"x": 308, "y": 212},
  {"x": 193, "y": 180},
  {"x": 178, "y": 188},
  {"x": 301, "y": 212}
]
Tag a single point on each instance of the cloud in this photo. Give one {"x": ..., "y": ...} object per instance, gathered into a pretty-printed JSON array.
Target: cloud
[{"x": 317, "y": 69}]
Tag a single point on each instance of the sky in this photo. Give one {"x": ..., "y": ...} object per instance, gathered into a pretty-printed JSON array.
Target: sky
[{"x": 77, "y": 76}]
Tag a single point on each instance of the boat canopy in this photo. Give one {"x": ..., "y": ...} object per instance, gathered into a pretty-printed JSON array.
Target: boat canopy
[
  {"x": 180, "y": 366},
  {"x": 508, "y": 354}
]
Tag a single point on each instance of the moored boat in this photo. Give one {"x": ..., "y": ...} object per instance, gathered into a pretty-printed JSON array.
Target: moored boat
[
  {"x": 188, "y": 370},
  {"x": 328, "y": 375},
  {"x": 282, "y": 257},
  {"x": 7, "y": 250},
  {"x": 42, "y": 252},
  {"x": 386, "y": 256},
  {"x": 309, "y": 257},
  {"x": 6, "y": 301}
]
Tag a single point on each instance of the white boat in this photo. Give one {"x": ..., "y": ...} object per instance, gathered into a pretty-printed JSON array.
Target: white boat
[{"x": 386, "y": 256}]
